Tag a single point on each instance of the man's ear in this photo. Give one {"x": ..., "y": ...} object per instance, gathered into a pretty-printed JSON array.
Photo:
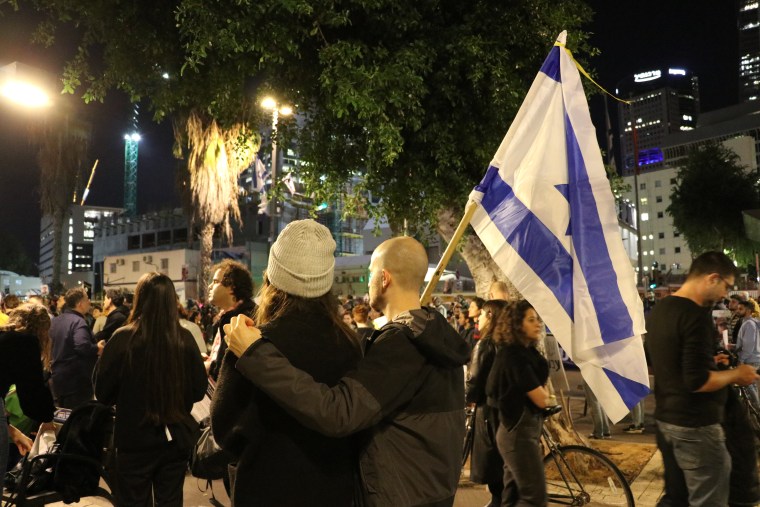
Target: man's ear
[{"x": 386, "y": 278}]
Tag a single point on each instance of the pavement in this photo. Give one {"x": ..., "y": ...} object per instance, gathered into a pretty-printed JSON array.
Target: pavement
[{"x": 647, "y": 487}]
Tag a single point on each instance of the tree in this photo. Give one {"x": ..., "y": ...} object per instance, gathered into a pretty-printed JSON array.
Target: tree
[
  {"x": 138, "y": 49},
  {"x": 62, "y": 148},
  {"x": 14, "y": 258},
  {"x": 215, "y": 159},
  {"x": 711, "y": 192},
  {"x": 414, "y": 95}
]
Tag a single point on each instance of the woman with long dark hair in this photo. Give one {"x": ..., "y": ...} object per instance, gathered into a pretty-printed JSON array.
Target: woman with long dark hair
[
  {"x": 152, "y": 371},
  {"x": 486, "y": 465},
  {"x": 516, "y": 390},
  {"x": 280, "y": 462}
]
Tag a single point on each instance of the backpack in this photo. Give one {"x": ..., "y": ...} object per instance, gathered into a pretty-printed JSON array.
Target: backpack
[{"x": 84, "y": 434}]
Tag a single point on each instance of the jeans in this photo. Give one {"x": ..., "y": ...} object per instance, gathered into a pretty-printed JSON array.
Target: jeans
[
  {"x": 697, "y": 465},
  {"x": 4, "y": 443},
  {"x": 752, "y": 390},
  {"x": 524, "y": 479},
  {"x": 637, "y": 414},
  {"x": 599, "y": 418}
]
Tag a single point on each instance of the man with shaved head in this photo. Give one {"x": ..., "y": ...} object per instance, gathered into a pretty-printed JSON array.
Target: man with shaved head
[{"x": 406, "y": 397}]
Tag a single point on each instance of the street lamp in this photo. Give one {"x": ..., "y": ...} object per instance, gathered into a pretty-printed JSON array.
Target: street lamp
[
  {"x": 277, "y": 109},
  {"x": 24, "y": 85}
]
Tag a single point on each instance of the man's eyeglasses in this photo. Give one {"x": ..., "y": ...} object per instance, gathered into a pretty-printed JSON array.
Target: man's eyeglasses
[{"x": 729, "y": 286}]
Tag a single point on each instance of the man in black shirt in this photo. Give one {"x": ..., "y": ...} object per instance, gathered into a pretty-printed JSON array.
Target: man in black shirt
[{"x": 690, "y": 392}]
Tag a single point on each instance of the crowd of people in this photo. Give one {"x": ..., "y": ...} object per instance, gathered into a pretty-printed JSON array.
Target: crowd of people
[{"x": 361, "y": 398}]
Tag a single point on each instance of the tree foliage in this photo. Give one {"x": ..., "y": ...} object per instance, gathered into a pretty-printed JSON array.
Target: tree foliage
[
  {"x": 416, "y": 95},
  {"x": 711, "y": 192},
  {"x": 14, "y": 258}
]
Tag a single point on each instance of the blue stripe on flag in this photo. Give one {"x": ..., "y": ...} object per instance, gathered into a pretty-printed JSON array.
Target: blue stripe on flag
[
  {"x": 591, "y": 248},
  {"x": 629, "y": 390},
  {"x": 551, "y": 65},
  {"x": 532, "y": 240}
]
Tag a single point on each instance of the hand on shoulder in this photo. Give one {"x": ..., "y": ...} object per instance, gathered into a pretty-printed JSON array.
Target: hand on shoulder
[{"x": 240, "y": 334}]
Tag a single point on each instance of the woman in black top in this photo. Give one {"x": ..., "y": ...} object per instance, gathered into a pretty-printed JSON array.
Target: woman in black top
[
  {"x": 516, "y": 390},
  {"x": 152, "y": 370},
  {"x": 486, "y": 465},
  {"x": 24, "y": 348},
  {"x": 279, "y": 461}
]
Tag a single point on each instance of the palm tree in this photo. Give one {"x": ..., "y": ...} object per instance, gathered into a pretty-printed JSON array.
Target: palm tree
[
  {"x": 62, "y": 149},
  {"x": 215, "y": 158}
]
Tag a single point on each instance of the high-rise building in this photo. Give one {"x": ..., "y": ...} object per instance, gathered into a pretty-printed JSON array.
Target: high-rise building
[
  {"x": 748, "y": 21},
  {"x": 77, "y": 237},
  {"x": 662, "y": 101}
]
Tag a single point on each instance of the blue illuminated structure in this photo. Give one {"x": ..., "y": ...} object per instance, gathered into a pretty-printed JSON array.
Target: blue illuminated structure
[{"x": 131, "y": 141}]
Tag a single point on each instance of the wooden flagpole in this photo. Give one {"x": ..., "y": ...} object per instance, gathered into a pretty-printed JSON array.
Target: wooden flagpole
[{"x": 469, "y": 211}]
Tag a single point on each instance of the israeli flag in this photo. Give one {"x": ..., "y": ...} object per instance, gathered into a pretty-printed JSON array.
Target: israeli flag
[{"x": 547, "y": 216}]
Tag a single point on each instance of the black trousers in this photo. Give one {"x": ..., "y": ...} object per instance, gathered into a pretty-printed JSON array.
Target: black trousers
[
  {"x": 74, "y": 400},
  {"x": 156, "y": 475}
]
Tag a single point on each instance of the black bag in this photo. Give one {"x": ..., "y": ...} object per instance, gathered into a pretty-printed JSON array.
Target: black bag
[
  {"x": 208, "y": 460},
  {"x": 39, "y": 476}
]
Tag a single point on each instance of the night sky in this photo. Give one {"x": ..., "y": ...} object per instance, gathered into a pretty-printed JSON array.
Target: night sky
[{"x": 699, "y": 35}]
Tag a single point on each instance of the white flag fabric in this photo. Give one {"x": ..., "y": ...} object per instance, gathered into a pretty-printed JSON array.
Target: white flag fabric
[
  {"x": 261, "y": 174},
  {"x": 289, "y": 183},
  {"x": 547, "y": 216}
]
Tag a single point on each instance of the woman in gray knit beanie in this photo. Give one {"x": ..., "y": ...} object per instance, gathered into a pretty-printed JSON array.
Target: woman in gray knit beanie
[{"x": 297, "y": 312}]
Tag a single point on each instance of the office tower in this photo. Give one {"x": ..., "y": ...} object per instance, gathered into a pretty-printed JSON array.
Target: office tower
[
  {"x": 748, "y": 21},
  {"x": 662, "y": 102}
]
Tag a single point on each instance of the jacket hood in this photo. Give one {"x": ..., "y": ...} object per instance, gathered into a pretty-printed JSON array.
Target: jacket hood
[{"x": 435, "y": 338}]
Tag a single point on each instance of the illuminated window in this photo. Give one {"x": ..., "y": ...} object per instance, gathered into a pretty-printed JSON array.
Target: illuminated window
[{"x": 644, "y": 217}]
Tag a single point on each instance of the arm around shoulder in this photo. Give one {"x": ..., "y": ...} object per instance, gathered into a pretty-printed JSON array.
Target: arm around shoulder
[{"x": 338, "y": 411}]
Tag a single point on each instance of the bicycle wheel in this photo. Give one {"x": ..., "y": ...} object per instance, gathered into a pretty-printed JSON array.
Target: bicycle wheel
[{"x": 578, "y": 475}]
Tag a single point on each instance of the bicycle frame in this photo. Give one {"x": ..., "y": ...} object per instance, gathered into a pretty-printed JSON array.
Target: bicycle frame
[{"x": 556, "y": 454}]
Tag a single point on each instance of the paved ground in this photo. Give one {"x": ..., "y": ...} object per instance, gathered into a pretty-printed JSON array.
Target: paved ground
[{"x": 647, "y": 487}]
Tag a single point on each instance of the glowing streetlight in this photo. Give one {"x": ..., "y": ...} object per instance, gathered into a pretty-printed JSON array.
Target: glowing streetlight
[
  {"x": 24, "y": 85},
  {"x": 277, "y": 109}
]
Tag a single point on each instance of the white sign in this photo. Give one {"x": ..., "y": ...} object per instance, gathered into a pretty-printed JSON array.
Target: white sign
[
  {"x": 650, "y": 75},
  {"x": 556, "y": 368}
]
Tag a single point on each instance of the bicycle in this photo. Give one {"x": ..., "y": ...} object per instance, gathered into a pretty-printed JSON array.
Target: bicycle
[
  {"x": 752, "y": 413},
  {"x": 580, "y": 475}
]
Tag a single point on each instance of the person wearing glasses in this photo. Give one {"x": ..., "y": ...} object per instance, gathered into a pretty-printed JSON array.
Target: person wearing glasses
[{"x": 690, "y": 391}]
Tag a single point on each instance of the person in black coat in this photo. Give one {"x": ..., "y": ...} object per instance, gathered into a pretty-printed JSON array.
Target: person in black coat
[
  {"x": 486, "y": 465},
  {"x": 152, "y": 370},
  {"x": 230, "y": 291},
  {"x": 118, "y": 313},
  {"x": 24, "y": 347},
  {"x": 279, "y": 461}
]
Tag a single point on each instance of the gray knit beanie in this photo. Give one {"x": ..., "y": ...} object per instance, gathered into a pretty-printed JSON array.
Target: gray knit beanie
[{"x": 301, "y": 261}]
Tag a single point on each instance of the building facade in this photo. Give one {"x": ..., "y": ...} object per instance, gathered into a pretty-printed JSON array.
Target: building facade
[
  {"x": 77, "y": 244},
  {"x": 663, "y": 247},
  {"x": 748, "y": 21},
  {"x": 662, "y": 101},
  {"x": 182, "y": 265}
]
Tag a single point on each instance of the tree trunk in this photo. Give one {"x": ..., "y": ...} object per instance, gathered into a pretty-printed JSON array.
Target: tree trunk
[
  {"x": 58, "y": 216},
  {"x": 485, "y": 271},
  {"x": 204, "y": 273},
  {"x": 482, "y": 267}
]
